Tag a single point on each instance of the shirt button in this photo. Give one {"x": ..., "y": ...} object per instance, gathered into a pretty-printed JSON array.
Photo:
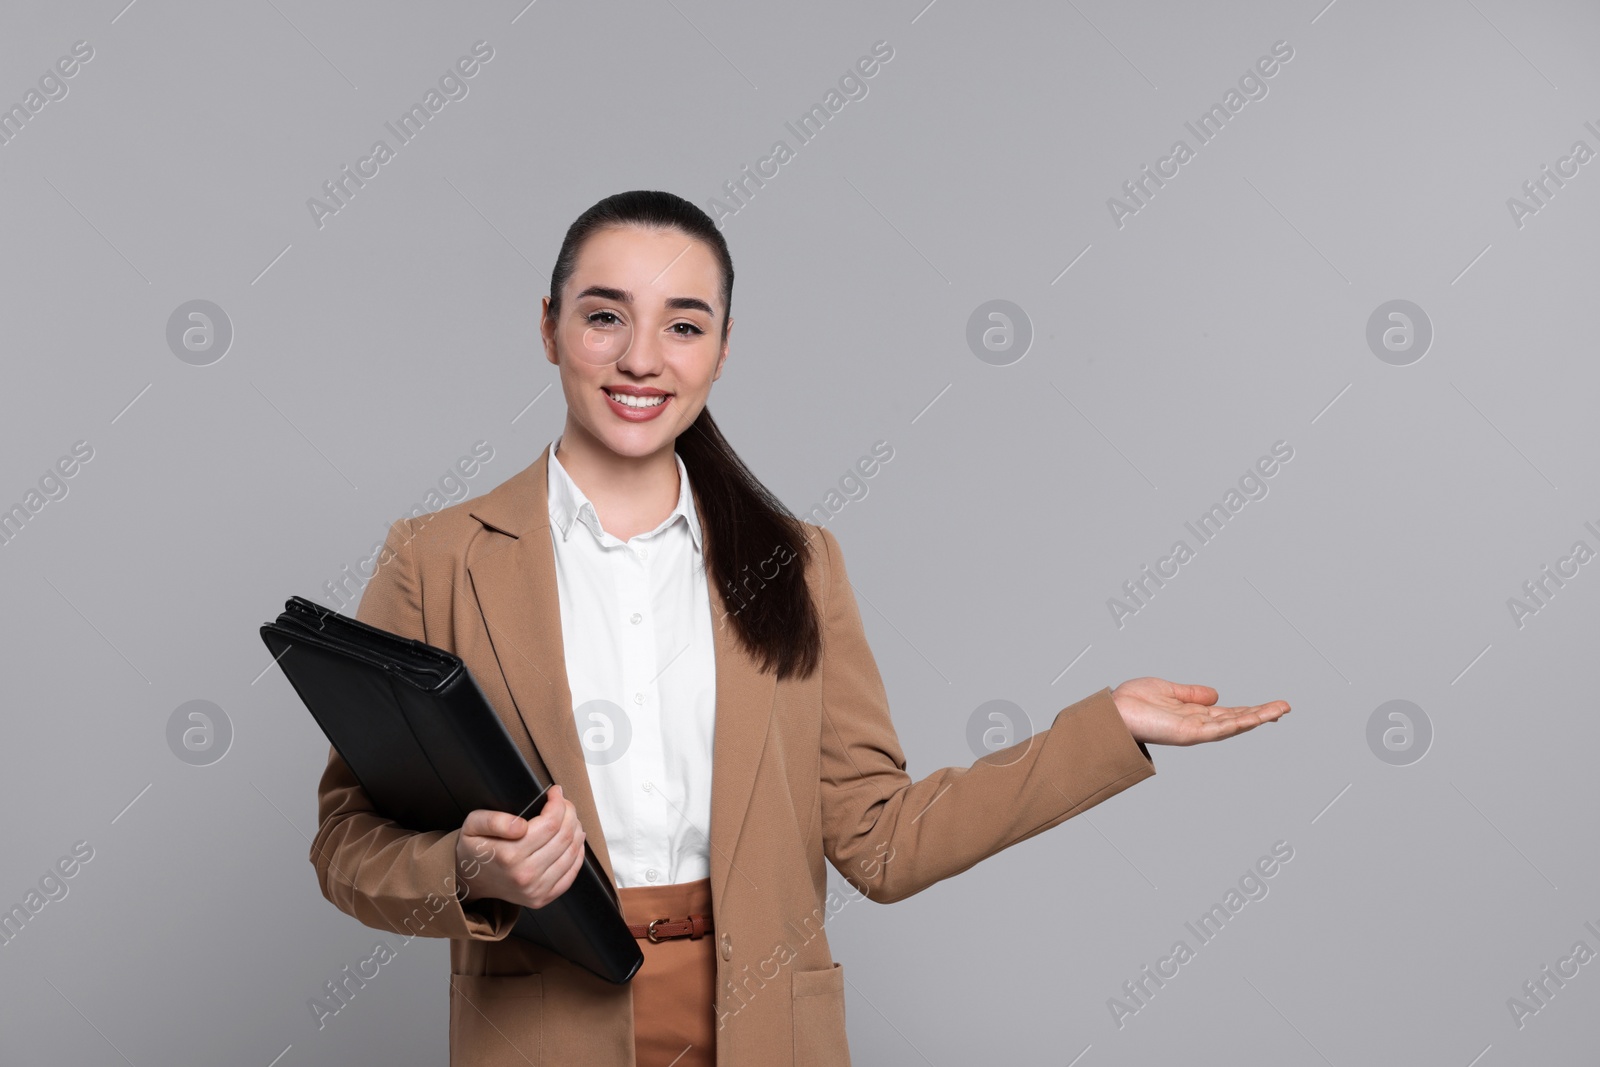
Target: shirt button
[
  {"x": 727, "y": 947},
  {"x": 651, "y": 874},
  {"x": 636, "y": 619},
  {"x": 638, "y": 698},
  {"x": 644, "y": 553}
]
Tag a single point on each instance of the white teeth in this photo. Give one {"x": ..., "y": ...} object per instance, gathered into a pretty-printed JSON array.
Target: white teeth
[{"x": 636, "y": 401}]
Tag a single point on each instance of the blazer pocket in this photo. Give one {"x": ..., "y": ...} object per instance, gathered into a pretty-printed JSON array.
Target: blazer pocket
[
  {"x": 819, "y": 1029},
  {"x": 496, "y": 1020}
]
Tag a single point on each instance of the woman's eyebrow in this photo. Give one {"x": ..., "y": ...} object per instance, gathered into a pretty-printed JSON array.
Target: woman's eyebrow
[{"x": 624, "y": 296}]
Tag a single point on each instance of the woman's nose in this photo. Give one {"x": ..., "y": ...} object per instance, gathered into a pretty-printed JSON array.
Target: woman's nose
[{"x": 644, "y": 355}]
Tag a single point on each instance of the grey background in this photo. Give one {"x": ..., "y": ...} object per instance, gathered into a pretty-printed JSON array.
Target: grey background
[{"x": 1228, "y": 314}]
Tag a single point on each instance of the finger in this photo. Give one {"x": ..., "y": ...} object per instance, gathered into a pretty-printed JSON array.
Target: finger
[
  {"x": 546, "y": 834},
  {"x": 501, "y": 824},
  {"x": 1239, "y": 726},
  {"x": 569, "y": 811},
  {"x": 548, "y": 848},
  {"x": 1237, "y": 721},
  {"x": 1226, "y": 722},
  {"x": 556, "y": 810},
  {"x": 1194, "y": 694},
  {"x": 1272, "y": 710},
  {"x": 561, "y": 872},
  {"x": 1268, "y": 711},
  {"x": 551, "y": 797},
  {"x": 1221, "y": 727},
  {"x": 567, "y": 816},
  {"x": 566, "y": 880}
]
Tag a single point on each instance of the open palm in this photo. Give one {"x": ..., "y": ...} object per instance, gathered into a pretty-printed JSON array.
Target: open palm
[{"x": 1160, "y": 712}]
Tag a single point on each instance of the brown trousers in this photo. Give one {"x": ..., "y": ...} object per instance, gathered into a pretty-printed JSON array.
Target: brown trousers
[{"x": 674, "y": 991}]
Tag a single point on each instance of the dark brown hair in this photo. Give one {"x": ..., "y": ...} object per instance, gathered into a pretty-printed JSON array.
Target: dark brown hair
[{"x": 749, "y": 533}]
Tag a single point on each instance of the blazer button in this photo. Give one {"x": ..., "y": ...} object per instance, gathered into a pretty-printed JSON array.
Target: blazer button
[{"x": 727, "y": 947}]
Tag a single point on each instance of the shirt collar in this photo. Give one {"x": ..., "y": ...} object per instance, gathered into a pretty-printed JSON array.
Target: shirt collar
[{"x": 568, "y": 503}]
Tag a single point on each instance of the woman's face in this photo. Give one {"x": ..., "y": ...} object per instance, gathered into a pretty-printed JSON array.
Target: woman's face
[{"x": 641, "y": 319}]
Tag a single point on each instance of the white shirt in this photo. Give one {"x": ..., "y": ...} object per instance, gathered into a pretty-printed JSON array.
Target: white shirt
[{"x": 636, "y": 632}]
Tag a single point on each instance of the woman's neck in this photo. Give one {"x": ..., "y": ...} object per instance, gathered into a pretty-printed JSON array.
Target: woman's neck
[{"x": 631, "y": 494}]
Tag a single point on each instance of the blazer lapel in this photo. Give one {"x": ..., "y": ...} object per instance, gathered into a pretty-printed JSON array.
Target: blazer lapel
[{"x": 516, "y": 593}]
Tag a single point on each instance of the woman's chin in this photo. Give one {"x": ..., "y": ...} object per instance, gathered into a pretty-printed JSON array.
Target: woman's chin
[{"x": 635, "y": 440}]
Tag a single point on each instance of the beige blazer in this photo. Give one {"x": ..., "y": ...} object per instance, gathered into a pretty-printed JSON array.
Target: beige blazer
[{"x": 803, "y": 771}]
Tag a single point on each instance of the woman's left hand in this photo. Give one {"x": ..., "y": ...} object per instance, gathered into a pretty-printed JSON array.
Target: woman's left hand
[{"x": 1160, "y": 712}]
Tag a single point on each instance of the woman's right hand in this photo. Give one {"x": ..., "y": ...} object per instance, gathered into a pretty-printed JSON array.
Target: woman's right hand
[{"x": 524, "y": 861}]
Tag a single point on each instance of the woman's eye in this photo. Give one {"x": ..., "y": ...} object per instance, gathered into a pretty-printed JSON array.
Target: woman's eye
[
  {"x": 609, "y": 317},
  {"x": 690, "y": 325}
]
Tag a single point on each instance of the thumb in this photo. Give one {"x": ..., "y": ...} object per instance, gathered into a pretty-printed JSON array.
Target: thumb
[
  {"x": 502, "y": 824},
  {"x": 1194, "y": 694}
]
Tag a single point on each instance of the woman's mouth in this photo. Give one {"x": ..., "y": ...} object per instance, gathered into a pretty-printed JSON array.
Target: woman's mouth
[{"x": 636, "y": 407}]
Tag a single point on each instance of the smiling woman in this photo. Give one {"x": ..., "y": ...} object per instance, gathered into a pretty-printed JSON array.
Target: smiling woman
[{"x": 687, "y": 657}]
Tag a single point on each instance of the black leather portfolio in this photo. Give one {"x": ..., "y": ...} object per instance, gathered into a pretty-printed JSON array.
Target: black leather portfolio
[{"x": 428, "y": 748}]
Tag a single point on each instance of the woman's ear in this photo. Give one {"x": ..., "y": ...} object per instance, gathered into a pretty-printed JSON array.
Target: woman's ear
[
  {"x": 547, "y": 330},
  {"x": 723, "y": 356}
]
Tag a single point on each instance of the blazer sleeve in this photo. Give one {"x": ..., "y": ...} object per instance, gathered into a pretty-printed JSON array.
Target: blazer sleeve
[
  {"x": 892, "y": 837},
  {"x": 388, "y": 877}
]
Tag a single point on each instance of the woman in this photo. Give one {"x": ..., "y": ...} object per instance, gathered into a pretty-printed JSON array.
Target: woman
[{"x": 689, "y": 660}]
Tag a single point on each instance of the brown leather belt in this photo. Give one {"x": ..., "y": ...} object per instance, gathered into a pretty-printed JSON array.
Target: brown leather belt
[{"x": 666, "y": 929}]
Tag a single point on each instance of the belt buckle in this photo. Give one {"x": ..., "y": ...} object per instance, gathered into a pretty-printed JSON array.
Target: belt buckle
[{"x": 650, "y": 931}]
